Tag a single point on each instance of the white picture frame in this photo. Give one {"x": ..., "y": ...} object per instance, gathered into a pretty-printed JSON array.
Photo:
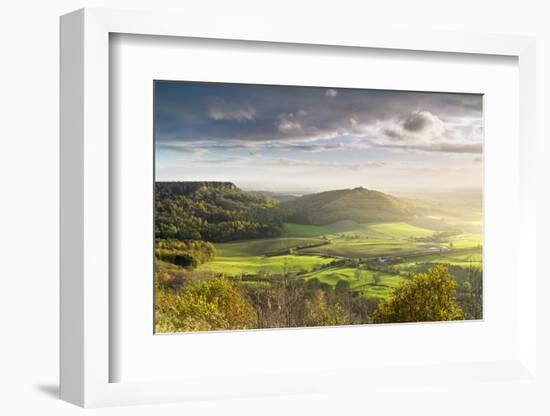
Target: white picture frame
[{"x": 86, "y": 356}]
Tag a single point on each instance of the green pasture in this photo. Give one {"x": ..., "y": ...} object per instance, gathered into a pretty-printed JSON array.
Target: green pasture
[
  {"x": 343, "y": 229},
  {"x": 346, "y": 229},
  {"x": 361, "y": 248},
  {"x": 263, "y": 246},
  {"x": 305, "y": 230},
  {"x": 358, "y": 241},
  {"x": 373, "y": 240},
  {"x": 463, "y": 259},
  {"x": 467, "y": 240},
  {"x": 235, "y": 266},
  {"x": 365, "y": 282},
  {"x": 400, "y": 230},
  {"x": 314, "y": 246}
]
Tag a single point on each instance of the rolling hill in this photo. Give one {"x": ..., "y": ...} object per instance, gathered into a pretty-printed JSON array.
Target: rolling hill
[
  {"x": 359, "y": 204},
  {"x": 221, "y": 211}
]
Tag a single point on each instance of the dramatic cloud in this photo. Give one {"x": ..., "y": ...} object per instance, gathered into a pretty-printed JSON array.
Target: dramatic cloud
[
  {"x": 190, "y": 112},
  {"x": 417, "y": 121},
  {"x": 260, "y": 133}
]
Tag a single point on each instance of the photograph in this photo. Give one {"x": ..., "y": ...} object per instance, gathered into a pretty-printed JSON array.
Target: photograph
[{"x": 281, "y": 206}]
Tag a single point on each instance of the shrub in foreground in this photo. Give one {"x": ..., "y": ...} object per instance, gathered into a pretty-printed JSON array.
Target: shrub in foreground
[
  {"x": 429, "y": 296},
  {"x": 203, "y": 305}
]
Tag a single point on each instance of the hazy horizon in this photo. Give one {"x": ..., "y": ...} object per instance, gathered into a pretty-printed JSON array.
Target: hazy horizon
[
  {"x": 311, "y": 139},
  {"x": 305, "y": 189}
]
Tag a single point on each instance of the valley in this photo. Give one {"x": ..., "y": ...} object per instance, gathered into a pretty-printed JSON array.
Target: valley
[
  {"x": 316, "y": 242},
  {"x": 337, "y": 252}
]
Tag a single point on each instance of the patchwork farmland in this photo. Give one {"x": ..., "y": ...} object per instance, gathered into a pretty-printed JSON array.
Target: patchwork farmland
[{"x": 373, "y": 258}]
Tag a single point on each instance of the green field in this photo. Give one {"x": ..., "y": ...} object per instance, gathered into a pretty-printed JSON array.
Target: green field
[
  {"x": 263, "y": 246},
  {"x": 471, "y": 258},
  {"x": 310, "y": 249},
  {"x": 236, "y": 266},
  {"x": 364, "y": 283},
  {"x": 345, "y": 239},
  {"x": 374, "y": 240},
  {"x": 304, "y": 230},
  {"x": 360, "y": 248},
  {"x": 400, "y": 230},
  {"x": 467, "y": 240}
]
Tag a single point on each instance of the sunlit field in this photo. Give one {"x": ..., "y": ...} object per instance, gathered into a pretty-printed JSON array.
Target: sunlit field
[
  {"x": 238, "y": 266},
  {"x": 316, "y": 252}
]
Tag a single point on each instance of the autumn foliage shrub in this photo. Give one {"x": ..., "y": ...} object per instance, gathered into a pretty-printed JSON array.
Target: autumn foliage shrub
[
  {"x": 203, "y": 305},
  {"x": 429, "y": 296}
]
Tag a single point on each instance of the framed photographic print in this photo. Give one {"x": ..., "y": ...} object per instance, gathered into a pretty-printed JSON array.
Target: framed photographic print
[{"x": 335, "y": 204}]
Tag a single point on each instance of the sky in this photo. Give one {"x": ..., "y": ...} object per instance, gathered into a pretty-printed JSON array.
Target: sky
[{"x": 310, "y": 139}]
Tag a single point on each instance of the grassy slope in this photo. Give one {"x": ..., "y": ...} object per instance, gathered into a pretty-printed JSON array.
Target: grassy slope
[
  {"x": 234, "y": 266},
  {"x": 263, "y": 246},
  {"x": 400, "y": 230},
  {"x": 345, "y": 239},
  {"x": 464, "y": 259},
  {"x": 382, "y": 239},
  {"x": 358, "y": 204},
  {"x": 364, "y": 283},
  {"x": 305, "y": 230},
  {"x": 359, "y": 248},
  {"x": 467, "y": 240}
]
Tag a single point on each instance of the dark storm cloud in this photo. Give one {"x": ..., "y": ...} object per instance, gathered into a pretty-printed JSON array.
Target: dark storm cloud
[
  {"x": 392, "y": 134},
  {"x": 416, "y": 122},
  {"x": 238, "y": 114}
]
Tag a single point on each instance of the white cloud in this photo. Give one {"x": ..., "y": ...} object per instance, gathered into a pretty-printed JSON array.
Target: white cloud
[
  {"x": 287, "y": 123},
  {"x": 235, "y": 114},
  {"x": 181, "y": 148},
  {"x": 426, "y": 132}
]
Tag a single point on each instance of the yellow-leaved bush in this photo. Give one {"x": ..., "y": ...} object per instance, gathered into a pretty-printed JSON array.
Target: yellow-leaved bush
[
  {"x": 203, "y": 305},
  {"x": 429, "y": 296}
]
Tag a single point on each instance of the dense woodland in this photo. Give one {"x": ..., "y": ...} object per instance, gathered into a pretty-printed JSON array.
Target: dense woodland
[{"x": 215, "y": 211}]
